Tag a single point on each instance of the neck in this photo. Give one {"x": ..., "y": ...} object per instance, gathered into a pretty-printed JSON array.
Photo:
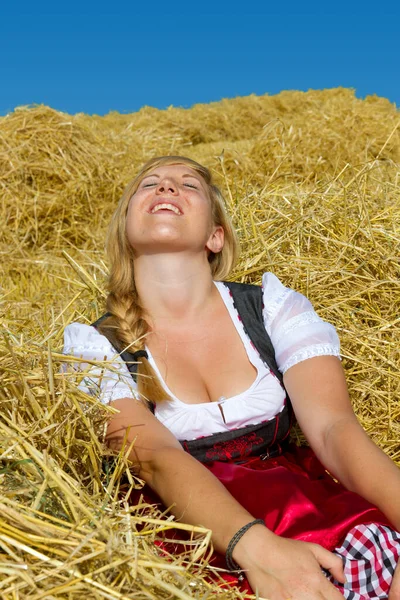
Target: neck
[{"x": 173, "y": 286}]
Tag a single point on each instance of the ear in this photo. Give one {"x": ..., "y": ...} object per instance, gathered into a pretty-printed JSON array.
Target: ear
[{"x": 215, "y": 242}]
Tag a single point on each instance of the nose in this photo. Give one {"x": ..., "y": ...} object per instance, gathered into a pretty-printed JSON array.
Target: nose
[{"x": 167, "y": 185}]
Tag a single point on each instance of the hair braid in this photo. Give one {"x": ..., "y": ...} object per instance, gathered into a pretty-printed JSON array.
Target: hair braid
[{"x": 127, "y": 329}]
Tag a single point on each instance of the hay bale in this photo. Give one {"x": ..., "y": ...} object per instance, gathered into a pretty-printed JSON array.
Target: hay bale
[{"x": 312, "y": 180}]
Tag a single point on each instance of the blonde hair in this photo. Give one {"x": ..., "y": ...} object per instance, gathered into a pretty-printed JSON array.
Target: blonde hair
[{"x": 127, "y": 326}]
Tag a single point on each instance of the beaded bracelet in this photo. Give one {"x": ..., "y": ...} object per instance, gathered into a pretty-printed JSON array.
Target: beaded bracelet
[{"x": 230, "y": 563}]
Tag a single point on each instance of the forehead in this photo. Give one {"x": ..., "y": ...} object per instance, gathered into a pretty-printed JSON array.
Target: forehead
[{"x": 177, "y": 170}]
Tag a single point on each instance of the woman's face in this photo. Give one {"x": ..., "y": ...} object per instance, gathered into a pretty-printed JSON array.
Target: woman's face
[{"x": 171, "y": 212}]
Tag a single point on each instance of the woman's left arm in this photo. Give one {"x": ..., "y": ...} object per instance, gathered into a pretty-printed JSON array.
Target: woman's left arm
[{"x": 318, "y": 391}]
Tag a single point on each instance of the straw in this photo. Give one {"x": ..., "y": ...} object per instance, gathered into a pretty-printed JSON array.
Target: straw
[{"x": 312, "y": 181}]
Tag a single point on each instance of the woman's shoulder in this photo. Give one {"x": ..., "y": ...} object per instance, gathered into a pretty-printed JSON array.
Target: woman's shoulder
[
  {"x": 276, "y": 294},
  {"x": 107, "y": 376},
  {"x": 83, "y": 339},
  {"x": 296, "y": 330},
  {"x": 273, "y": 287}
]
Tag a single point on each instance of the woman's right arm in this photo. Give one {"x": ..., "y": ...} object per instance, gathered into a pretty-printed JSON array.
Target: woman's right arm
[
  {"x": 194, "y": 494},
  {"x": 277, "y": 567}
]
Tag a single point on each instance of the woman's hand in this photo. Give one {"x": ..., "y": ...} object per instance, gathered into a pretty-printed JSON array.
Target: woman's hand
[{"x": 283, "y": 569}]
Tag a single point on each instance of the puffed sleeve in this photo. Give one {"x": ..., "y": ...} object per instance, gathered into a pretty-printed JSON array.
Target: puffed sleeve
[
  {"x": 108, "y": 380},
  {"x": 295, "y": 329}
]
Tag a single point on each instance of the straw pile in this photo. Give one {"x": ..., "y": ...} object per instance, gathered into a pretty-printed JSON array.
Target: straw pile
[{"x": 312, "y": 180}]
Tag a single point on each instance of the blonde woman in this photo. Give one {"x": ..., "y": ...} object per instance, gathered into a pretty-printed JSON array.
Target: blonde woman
[{"x": 202, "y": 375}]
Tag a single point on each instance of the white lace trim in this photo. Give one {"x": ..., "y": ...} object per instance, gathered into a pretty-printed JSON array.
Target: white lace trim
[
  {"x": 108, "y": 386},
  {"x": 116, "y": 394},
  {"x": 311, "y": 352},
  {"x": 300, "y": 320},
  {"x": 72, "y": 350}
]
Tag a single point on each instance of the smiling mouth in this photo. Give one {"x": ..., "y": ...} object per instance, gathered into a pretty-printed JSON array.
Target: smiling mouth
[{"x": 164, "y": 206}]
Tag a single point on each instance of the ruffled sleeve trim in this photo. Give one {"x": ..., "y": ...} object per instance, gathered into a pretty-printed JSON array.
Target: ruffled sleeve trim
[
  {"x": 109, "y": 379},
  {"x": 311, "y": 352}
]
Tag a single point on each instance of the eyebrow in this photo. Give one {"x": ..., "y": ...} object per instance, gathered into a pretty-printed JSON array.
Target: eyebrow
[{"x": 184, "y": 175}]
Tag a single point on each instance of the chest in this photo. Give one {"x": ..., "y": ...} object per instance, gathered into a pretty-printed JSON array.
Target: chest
[{"x": 203, "y": 361}]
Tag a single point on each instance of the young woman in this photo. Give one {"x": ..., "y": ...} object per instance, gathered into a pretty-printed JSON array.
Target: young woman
[{"x": 200, "y": 382}]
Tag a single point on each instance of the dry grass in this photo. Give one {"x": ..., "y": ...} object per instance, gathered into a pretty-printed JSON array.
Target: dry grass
[{"x": 312, "y": 180}]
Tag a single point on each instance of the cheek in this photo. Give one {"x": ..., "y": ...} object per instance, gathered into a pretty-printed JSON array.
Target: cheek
[
  {"x": 128, "y": 218},
  {"x": 208, "y": 218},
  {"x": 131, "y": 223}
]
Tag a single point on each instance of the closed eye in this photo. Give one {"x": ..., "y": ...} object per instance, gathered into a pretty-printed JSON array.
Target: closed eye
[{"x": 145, "y": 185}]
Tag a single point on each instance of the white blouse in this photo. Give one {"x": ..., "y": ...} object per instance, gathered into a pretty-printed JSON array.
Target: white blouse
[{"x": 296, "y": 332}]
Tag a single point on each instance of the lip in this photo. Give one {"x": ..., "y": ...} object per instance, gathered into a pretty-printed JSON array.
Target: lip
[{"x": 166, "y": 201}]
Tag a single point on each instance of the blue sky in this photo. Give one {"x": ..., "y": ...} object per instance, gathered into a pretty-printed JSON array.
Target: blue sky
[{"x": 93, "y": 57}]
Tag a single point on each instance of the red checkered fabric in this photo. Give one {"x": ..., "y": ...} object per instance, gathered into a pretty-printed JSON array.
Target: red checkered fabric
[{"x": 370, "y": 554}]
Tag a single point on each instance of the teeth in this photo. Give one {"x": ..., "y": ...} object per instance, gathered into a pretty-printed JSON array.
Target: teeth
[{"x": 166, "y": 206}]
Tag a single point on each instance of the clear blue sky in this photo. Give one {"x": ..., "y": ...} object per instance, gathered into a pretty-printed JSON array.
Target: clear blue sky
[{"x": 93, "y": 57}]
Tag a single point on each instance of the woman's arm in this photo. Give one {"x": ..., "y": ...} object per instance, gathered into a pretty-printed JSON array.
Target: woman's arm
[
  {"x": 318, "y": 390},
  {"x": 194, "y": 494}
]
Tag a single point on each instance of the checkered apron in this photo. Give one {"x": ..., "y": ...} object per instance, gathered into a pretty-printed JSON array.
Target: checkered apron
[{"x": 370, "y": 554}]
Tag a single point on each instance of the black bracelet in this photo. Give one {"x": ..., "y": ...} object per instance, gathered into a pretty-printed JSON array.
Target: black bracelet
[{"x": 230, "y": 563}]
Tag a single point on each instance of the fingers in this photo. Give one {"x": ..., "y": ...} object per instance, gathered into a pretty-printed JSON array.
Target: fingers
[
  {"x": 330, "y": 561},
  {"x": 394, "y": 593}
]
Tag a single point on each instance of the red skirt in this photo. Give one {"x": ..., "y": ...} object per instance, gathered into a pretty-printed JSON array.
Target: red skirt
[{"x": 295, "y": 496}]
